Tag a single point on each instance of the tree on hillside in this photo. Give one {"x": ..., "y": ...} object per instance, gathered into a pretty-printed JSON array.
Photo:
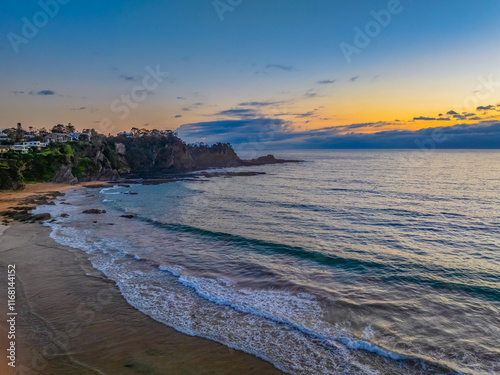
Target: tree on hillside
[
  {"x": 59, "y": 128},
  {"x": 69, "y": 128},
  {"x": 19, "y": 132}
]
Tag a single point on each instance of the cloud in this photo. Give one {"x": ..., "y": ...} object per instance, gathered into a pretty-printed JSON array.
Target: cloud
[
  {"x": 280, "y": 135},
  {"x": 352, "y": 79},
  {"x": 280, "y": 67},
  {"x": 424, "y": 118},
  {"x": 181, "y": 98},
  {"x": 239, "y": 112},
  {"x": 43, "y": 92},
  {"x": 306, "y": 114},
  {"x": 78, "y": 109},
  {"x": 311, "y": 94},
  {"x": 177, "y": 116},
  {"x": 258, "y": 104},
  {"x": 485, "y": 108},
  {"x": 233, "y": 131},
  {"x": 451, "y": 113},
  {"x": 128, "y": 78},
  {"x": 17, "y": 92},
  {"x": 326, "y": 81}
]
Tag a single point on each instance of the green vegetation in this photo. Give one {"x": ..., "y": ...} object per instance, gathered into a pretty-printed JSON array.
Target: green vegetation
[
  {"x": 83, "y": 160},
  {"x": 85, "y": 167},
  {"x": 142, "y": 152}
]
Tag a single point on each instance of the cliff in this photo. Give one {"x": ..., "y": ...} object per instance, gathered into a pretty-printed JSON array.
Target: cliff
[
  {"x": 64, "y": 163},
  {"x": 165, "y": 153},
  {"x": 142, "y": 154}
]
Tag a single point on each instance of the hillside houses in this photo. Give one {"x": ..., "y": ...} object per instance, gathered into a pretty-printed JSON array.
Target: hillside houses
[
  {"x": 23, "y": 148},
  {"x": 57, "y": 138},
  {"x": 4, "y": 137},
  {"x": 19, "y": 140}
]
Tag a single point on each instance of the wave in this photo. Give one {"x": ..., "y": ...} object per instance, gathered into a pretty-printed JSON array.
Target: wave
[
  {"x": 265, "y": 323},
  {"x": 404, "y": 271}
]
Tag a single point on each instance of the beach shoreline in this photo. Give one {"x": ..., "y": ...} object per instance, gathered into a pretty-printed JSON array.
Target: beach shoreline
[
  {"x": 10, "y": 198},
  {"x": 73, "y": 320}
]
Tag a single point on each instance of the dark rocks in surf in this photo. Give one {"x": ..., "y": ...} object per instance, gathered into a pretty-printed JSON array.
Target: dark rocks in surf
[
  {"x": 94, "y": 211},
  {"x": 268, "y": 159}
]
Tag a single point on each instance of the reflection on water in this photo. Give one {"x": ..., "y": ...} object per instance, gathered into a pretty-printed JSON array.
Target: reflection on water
[{"x": 352, "y": 261}]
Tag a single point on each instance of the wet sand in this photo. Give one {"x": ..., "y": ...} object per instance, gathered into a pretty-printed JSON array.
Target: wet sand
[
  {"x": 10, "y": 198},
  {"x": 73, "y": 320}
]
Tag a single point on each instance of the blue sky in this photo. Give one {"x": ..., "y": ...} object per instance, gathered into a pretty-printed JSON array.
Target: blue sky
[{"x": 262, "y": 61}]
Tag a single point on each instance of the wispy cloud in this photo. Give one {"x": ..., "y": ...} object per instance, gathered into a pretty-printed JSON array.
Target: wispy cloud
[
  {"x": 353, "y": 79},
  {"x": 128, "y": 77},
  {"x": 485, "y": 108},
  {"x": 78, "y": 109},
  {"x": 280, "y": 67},
  {"x": 424, "y": 118},
  {"x": 259, "y": 104},
  {"x": 239, "y": 112},
  {"x": 43, "y": 92},
  {"x": 469, "y": 136},
  {"x": 306, "y": 114},
  {"x": 326, "y": 81},
  {"x": 311, "y": 93}
]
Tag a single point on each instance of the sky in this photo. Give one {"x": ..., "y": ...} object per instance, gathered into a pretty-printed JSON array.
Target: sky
[{"x": 288, "y": 73}]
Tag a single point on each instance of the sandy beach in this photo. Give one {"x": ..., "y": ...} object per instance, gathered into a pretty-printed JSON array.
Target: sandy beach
[
  {"x": 73, "y": 320},
  {"x": 11, "y": 198}
]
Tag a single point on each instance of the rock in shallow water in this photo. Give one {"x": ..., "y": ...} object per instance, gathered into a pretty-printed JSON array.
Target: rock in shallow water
[{"x": 94, "y": 211}]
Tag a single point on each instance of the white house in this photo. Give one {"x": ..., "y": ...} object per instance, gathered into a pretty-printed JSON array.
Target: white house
[
  {"x": 36, "y": 144},
  {"x": 57, "y": 137},
  {"x": 4, "y": 137},
  {"x": 21, "y": 148}
]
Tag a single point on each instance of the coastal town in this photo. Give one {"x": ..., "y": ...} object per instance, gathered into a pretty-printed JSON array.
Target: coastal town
[{"x": 25, "y": 141}]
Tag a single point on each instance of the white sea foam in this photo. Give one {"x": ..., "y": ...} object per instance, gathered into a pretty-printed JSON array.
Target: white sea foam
[
  {"x": 106, "y": 190},
  {"x": 266, "y": 323},
  {"x": 175, "y": 305}
]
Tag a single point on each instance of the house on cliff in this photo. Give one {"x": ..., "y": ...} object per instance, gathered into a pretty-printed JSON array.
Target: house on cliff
[{"x": 57, "y": 138}]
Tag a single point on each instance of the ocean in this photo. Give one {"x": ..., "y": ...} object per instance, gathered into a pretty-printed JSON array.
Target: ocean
[{"x": 351, "y": 262}]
